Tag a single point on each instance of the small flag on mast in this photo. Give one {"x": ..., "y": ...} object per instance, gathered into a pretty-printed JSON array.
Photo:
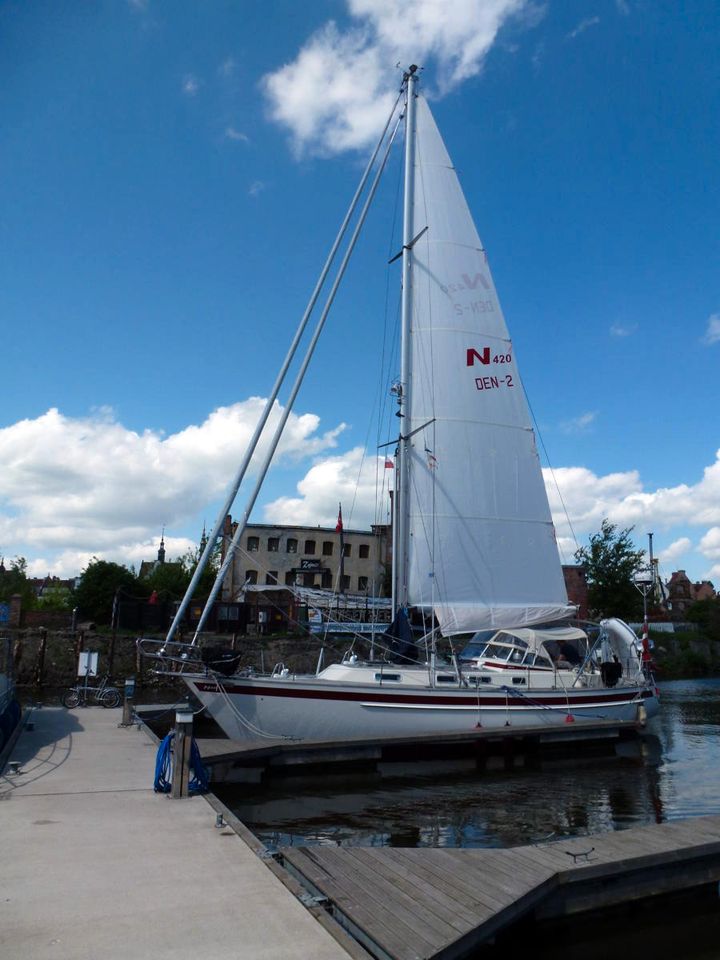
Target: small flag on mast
[
  {"x": 339, "y": 529},
  {"x": 389, "y": 465},
  {"x": 339, "y": 525}
]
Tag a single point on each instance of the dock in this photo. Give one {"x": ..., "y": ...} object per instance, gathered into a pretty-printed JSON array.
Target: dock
[
  {"x": 95, "y": 864},
  {"x": 444, "y": 904},
  {"x": 98, "y": 864}
]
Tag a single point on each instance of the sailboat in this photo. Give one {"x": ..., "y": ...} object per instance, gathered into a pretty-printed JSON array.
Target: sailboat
[{"x": 475, "y": 558}]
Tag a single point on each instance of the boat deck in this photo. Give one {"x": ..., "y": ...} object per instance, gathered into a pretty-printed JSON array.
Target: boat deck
[{"x": 418, "y": 904}]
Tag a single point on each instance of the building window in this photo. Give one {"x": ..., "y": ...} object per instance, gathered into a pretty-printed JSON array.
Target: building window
[
  {"x": 327, "y": 579},
  {"x": 362, "y": 583},
  {"x": 364, "y": 551},
  {"x": 253, "y": 544},
  {"x": 308, "y": 579},
  {"x": 290, "y": 578},
  {"x": 347, "y": 549},
  {"x": 344, "y": 583},
  {"x": 327, "y": 548},
  {"x": 291, "y": 546},
  {"x": 273, "y": 544},
  {"x": 271, "y": 577},
  {"x": 251, "y": 576},
  {"x": 309, "y": 546}
]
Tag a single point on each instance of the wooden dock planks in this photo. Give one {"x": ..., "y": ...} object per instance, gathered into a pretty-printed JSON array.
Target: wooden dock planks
[{"x": 422, "y": 903}]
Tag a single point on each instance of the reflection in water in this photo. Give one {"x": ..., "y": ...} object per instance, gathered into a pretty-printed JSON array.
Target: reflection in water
[{"x": 660, "y": 776}]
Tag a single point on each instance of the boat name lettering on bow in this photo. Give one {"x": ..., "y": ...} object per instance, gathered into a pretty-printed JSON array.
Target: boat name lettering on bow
[{"x": 493, "y": 383}]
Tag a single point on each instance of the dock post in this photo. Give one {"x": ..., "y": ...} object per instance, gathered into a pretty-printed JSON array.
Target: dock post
[
  {"x": 181, "y": 750},
  {"x": 127, "y": 718}
]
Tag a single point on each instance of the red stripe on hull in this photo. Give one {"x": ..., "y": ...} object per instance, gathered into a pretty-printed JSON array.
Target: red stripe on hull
[{"x": 525, "y": 699}]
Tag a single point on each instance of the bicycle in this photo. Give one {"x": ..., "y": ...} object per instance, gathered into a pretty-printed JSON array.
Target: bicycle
[{"x": 82, "y": 695}]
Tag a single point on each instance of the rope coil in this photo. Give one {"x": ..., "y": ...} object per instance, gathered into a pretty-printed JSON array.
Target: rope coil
[{"x": 164, "y": 768}]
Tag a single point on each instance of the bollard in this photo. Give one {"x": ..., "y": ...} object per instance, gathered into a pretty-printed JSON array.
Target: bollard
[
  {"x": 128, "y": 710},
  {"x": 181, "y": 754}
]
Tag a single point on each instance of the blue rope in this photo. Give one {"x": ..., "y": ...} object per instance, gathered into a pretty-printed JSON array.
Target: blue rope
[{"x": 164, "y": 766}]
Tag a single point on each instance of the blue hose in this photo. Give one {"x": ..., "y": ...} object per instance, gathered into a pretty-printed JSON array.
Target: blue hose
[{"x": 164, "y": 766}]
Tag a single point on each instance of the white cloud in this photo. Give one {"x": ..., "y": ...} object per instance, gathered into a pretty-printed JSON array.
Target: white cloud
[
  {"x": 583, "y": 26},
  {"x": 620, "y": 496},
  {"x": 350, "y": 479},
  {"x": 676, "y": 549},
  {"x": 256, "y": 187},
  {"x": 578, "y": 424},
  {"x": 232, "y": 134},
  {"x": 74, "y": 488},
  {"x": 709, "y": 546},
  {"x": 712, "y": 334},
  {"x": 190, "y": 85},
  {"x": 227, "y": 67},
  {"x": 338, "y": 91},
  {"x": 618, "y": 330}
]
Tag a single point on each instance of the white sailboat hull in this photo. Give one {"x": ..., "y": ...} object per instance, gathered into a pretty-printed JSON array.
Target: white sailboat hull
[{"x": 306, "y": 708}]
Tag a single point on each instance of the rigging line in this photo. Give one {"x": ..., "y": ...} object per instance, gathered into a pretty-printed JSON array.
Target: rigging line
[
  {"x": 550, "y": 466},
  {"x": 235, "y": 486},
  {"x": 242, "y": 523}
]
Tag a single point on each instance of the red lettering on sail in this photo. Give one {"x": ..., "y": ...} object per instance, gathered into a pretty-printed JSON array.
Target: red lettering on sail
[{"x": 473, "y": 355}]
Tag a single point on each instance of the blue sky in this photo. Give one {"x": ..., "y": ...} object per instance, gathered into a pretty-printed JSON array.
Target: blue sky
[{"x": 172, "y": 175}]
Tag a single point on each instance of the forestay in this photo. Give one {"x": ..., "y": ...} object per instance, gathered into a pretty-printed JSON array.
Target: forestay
[{"x": 482, "y": 549}]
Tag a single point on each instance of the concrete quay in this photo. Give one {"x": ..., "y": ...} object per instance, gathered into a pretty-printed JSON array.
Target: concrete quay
[{"x": 95, "y": 864}]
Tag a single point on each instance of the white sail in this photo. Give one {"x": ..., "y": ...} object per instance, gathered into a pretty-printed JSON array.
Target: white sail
[{"x": 482, "y": 550}]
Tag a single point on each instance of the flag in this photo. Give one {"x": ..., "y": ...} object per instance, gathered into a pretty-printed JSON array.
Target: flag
[
  {"x": 431, "y": 459},
  {"x": 389, "y": 465},
  {"x": 339, "y": 525},
  {"x": 339, "y": 529}
]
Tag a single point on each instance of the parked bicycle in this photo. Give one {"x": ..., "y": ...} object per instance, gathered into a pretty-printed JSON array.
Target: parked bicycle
[{"x": 82, "y": 695}]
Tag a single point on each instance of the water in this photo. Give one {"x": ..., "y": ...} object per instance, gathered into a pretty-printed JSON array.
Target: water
[{"x": 667, "y": 774}]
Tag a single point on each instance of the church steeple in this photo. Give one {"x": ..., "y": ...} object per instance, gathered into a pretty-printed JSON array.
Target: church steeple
[{"x": 161, "y": 551}]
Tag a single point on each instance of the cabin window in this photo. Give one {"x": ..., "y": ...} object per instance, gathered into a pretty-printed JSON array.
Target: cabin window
[
  {"x": 446, "y": 678},
  {"x": 291, "y": 545},
  {"x": 394, "y": 677},
  {"x": 542, "y": 662},
  {"x": 309, "y": 546},
  {"x": 364, "y": 551},
  {"x": 253, "y": 544},
  {"x": 271, "y": 577},
  {"x": 347, "y": 549},
  {"x": 479, "y": 680},
  {"x": 362, "y": 583},
  {"x": 251, "y": 576},
  {"x": 497, "y": 652},
  {"x": 273, "y": 544},
  {"x": 327, "y": 548},
  {"x": 518, "y": 681}
]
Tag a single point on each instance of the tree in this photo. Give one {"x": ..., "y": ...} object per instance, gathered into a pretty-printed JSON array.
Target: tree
[
  {"x": 706, "y": 614},
  {"x": 95, "y": 594},
  {"x": 610, "y": 563},
  {"x": 15, "y": 580}
]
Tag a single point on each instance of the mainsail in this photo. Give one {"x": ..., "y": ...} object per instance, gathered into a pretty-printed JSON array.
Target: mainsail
[{"x": 481, "y": 544}]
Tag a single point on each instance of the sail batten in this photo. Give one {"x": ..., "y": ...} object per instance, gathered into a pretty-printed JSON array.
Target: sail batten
[{"x": 481, "y": 545}]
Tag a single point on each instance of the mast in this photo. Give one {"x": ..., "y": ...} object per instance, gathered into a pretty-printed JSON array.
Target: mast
[{"x": 402, "y": 494}]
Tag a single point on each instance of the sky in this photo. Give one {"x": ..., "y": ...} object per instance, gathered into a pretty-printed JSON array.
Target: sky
[{"x": 172, "y": 175}]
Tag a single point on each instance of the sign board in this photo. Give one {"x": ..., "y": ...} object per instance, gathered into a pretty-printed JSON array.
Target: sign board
[
  {"x": 88, "y": 664},
  {"x": 4, "y": 612},
  {"x": 311, "y": 565}
]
